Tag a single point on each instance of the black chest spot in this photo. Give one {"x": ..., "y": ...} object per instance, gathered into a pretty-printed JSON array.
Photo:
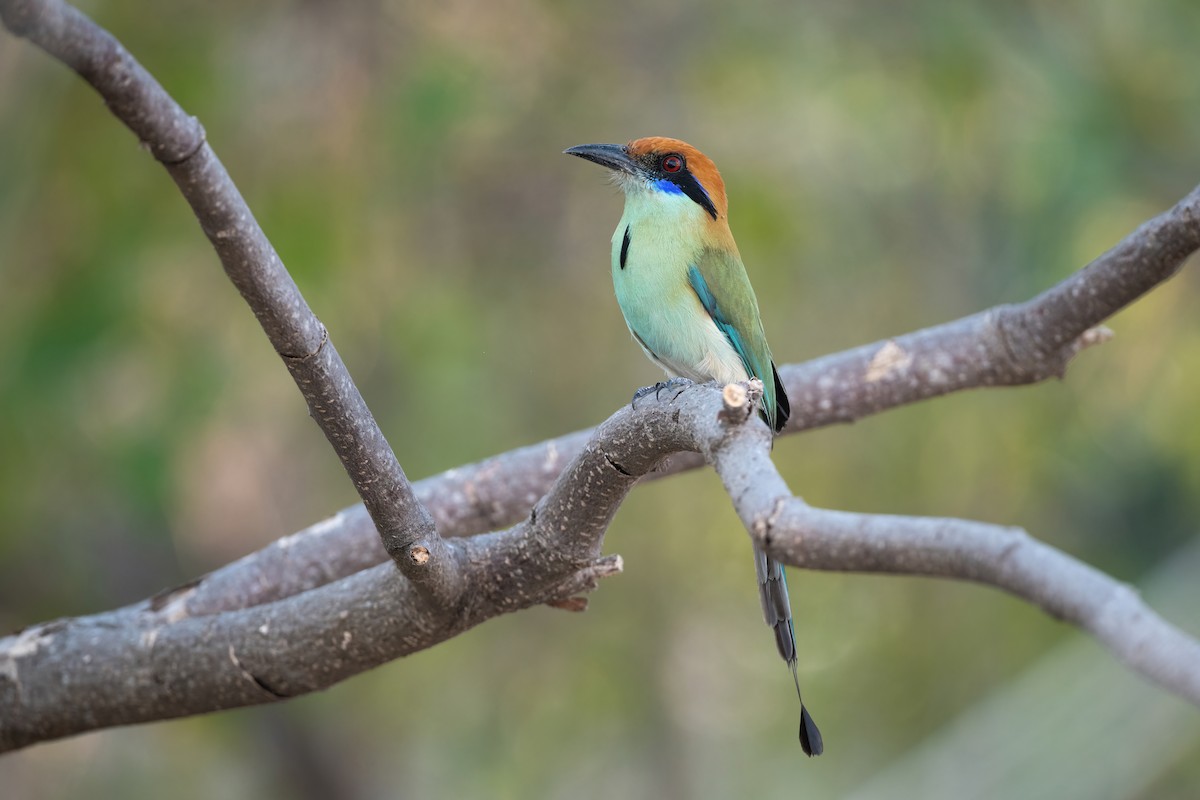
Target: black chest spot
[{"x": 625, "y": 247}]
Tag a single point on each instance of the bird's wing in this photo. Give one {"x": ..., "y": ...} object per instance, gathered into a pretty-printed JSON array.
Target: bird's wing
[{"x": 720, "y": 282}]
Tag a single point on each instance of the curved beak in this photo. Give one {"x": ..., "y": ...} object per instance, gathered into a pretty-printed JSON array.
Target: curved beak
[{"x": 612, "y": 156}]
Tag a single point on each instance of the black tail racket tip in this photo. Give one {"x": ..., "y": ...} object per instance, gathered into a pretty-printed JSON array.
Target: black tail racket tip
[{"x": 810, "y": 737}]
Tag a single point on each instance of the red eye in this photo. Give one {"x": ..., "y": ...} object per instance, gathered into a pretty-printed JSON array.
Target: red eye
[{"x": 672, "y": 163}]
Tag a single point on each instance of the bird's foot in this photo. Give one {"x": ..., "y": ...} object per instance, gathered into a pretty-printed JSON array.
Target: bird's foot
[
  {"x": 677, "y": 385},
  {"x": 645, "y": 390}
]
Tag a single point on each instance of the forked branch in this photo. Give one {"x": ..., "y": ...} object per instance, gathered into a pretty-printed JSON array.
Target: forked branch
[{"x": 311, "y": 610}]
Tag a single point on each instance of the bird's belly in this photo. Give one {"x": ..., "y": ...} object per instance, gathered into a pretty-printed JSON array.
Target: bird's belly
[{"x": 666, "y": 318}]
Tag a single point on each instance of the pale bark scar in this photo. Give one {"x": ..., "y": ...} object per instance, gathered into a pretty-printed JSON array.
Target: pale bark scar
[{"x": 889, "y": 359}]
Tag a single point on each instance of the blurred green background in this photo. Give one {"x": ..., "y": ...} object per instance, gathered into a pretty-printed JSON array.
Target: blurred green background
[{"x": 889, "y": 166}]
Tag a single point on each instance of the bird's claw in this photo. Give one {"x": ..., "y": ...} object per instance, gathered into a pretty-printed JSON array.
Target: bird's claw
[
  {"x": 642, "y": 392},
  {"x": 677, "y": 384}
]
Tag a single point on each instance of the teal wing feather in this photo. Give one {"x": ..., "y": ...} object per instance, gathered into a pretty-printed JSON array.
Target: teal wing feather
[{"x": 720, "y": 282}]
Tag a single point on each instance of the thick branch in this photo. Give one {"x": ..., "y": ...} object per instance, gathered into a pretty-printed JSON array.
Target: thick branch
[
  {"x": 1008, "y": 345},
  {"x": 174, "y": 656},
  {"x": 1004, "y": 557},
  {"x": 159, "y": 661},
  {"x": 177, "y": 141}
]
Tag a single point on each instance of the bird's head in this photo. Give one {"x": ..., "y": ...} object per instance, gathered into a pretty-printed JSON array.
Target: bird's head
[{"x": 657, "y": 167}]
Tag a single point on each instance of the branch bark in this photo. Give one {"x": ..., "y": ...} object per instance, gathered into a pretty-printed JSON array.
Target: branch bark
[
  {"x": 1007, "y": 558},
  {"x": 177, "y": 141},
  {"x": 311, "y": 610},
  {"x": 159, "y": 661},
  {"x": 142, "y": 664}
]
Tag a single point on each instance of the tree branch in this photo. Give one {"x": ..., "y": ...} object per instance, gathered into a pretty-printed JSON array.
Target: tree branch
[
  {"x": 145, "y": 664},
  {"x": 223, "y": 643},
  {"x": 158, "y": 661},
  {"x": 1007, "y": 558},
  {"x": 334, "y": 402},
  {"x": 1008, "y": 345}
]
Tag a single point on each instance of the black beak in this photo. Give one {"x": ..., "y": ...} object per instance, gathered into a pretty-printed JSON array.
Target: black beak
[{"x": 612, "y": 156}]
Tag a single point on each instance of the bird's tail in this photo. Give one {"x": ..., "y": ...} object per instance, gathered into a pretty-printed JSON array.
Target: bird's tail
[{"x": 777, "y": 611}]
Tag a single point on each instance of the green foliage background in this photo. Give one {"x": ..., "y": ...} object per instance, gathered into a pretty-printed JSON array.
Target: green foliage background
[{"x": 889, "y": 166}]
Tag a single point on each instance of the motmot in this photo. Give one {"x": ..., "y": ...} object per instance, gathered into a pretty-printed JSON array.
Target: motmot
[{"x": 688, "y": 302}]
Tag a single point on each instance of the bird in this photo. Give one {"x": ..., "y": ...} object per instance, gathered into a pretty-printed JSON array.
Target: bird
[{"x": 688, "y": 302}]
